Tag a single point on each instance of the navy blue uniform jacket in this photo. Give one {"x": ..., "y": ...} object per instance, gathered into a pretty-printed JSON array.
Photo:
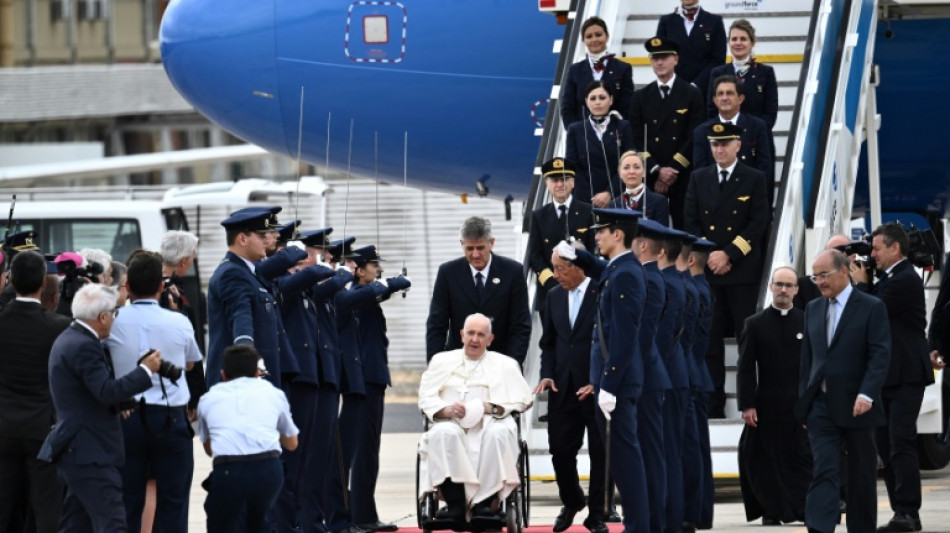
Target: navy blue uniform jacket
[
  {"x": 656, "y": 208},
  {"x": 374, "y": 344},
  {"x": 756, "y": 149},
  {"x": 700, "y": 51},
  {"x": 856, "y": 361},
  {"x": 618, "y": 75},
  {"x": 87, "y": 429},
  {"x": 671, "y": 327},
  {"x": 505, "y": 302},
  {"x": 597, "y": 160},
  {"x": 347, "y": 304},
  {"x": 242, "y": 308},
  {"x": 657, "y": 377},
  {"x": 300, "y": 318},
  {"x": 329, "y": 356},
  {"x": 759, "y": 88},
  {"x": 547, "y": 230}
]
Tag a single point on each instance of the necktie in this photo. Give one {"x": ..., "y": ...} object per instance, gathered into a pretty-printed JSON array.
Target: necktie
[
  {"x": 479, "y": 284},
  {"x": 561, "y": 211},
  {"x": 832, "y": 314},
  {"x": 576, "y": 297},
  {"x": 690, "y": 13},
  {"x": 665, "y": 90},
  {"x": 601, "y": 63},
  {"x": 631, "y": 203},
  {"x": 723, "y": 178}
]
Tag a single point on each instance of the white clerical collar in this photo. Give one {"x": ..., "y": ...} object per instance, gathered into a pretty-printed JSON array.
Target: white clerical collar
[
  {"x": 28, "y": 300},
  {"x": 484, "y": 271},
  {"x": 782, "y": 311},
  {"x": 888, "y": 271},
  {"x": 734, "y": 120}
]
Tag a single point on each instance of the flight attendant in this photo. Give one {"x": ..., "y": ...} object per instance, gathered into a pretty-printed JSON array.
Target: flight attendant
[
  {"x": 636, "y": 195},
  {"x": 597, "y": 66},
  {"x": 756, "y": 80},
  {"x": 594, "y": 146}
]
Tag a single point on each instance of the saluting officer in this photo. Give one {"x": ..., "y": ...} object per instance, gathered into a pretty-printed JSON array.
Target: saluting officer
[
  {"x": 666, "y": 112},
  {"x": 727, "y": 204},
  {"x": 564, "y": 218},
  {"x": 242, "y": 309}
]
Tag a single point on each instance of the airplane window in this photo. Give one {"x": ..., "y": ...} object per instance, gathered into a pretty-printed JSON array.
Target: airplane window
[{"x": 376, "y": 29}]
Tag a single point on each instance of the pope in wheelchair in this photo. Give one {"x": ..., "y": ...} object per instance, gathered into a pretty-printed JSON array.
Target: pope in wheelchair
[{"x": 470, "y": 453}]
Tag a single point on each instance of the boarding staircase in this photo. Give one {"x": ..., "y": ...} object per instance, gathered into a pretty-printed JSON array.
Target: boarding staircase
[{"x": 822, "y": 61}]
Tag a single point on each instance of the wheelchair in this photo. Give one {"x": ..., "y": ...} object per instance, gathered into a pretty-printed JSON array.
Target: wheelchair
[{"x": 516, "y": 507}]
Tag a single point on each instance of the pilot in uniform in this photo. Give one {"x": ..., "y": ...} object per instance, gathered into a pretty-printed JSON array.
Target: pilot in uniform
[
  {"x": 701, "y": 36},
  {"x": 727, "y": 204},
  {"x": 668, "y": 123},
  {"x": 242, "y": 306}
]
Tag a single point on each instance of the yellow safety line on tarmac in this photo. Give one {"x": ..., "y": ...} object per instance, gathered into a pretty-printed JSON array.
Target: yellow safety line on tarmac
[{"x": 764, "y": 58}]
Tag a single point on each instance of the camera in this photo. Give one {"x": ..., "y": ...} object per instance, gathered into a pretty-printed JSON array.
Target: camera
[
  {"x": 922, "y": 250},
  {"x": 166, "y": 370}
]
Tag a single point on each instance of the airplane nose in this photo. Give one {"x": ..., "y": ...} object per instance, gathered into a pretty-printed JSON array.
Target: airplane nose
[{"x": 220, "y": 56}]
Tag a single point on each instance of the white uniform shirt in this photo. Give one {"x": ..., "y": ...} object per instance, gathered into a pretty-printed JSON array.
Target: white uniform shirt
[
  {"x": 144, "y": 325},
  {"x": 244, "y": 416}
]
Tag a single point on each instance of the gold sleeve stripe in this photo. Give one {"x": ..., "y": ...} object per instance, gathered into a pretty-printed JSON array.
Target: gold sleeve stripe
[
  {"x": 681, "y": 159},
  {"x": 743, "y": 245},
  {"x": 545, "y": 275}
]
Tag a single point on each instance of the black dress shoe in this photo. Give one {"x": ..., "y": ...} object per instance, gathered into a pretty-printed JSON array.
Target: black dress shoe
[
  {"x": 769, "y": 521},
  {"x": 902, "y": 522},
  {"x": 688, "y": 527},
  {"x": 353, "y": 529},
  {"x": 564, "y": 519},
  {"x": 450, "y": 513},
  {"x": 614, "y": 516},
  {"x": 595, "y": 524},
  {"x": 379, "y": 526}
]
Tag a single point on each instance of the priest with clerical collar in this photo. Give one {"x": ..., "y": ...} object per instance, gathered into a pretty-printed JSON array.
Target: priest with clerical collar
[{"x": 471, "y": 449}]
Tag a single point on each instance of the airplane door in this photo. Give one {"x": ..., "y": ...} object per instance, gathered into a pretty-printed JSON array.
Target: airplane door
[{"x": 376, "y": 31}]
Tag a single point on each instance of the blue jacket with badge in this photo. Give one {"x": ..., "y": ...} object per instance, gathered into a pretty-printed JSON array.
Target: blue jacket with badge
[
  {"x": 347, "y": 304},
  {"x": 671, "y": 325},
  {"x": 374, "y": 344},
  {"x": 329, "y": 356},
  {"x": 300, "y": 318}
]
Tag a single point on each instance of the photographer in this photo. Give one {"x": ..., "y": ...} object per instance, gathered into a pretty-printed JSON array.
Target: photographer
[
  {"x": 902, "y": 291},
  {"x": 157, "y": 435},
  {"x": 78, "y": 269},
  {"x": 86, "y": 442}
]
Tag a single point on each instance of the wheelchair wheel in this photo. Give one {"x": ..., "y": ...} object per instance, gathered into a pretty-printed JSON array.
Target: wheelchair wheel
[
  {"x": 525, "y": 487},
  {"x": 513, "y": 516}
]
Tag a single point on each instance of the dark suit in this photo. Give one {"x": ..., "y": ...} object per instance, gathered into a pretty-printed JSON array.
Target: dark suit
[
  {"x": 565, "y": 358},
  {"x": 701, "y": 50},
  {"x": 86, "y": 442},
  {"x": 734, "y": 217},
  {"x": 548, "y": 229},
  {"x": 242, "y": 308},
  {"x": 759, "y": 88},
  {"x": 855, "y": 362},
  {"x": 26, "y": 412},
  {"x": 669, "y": 124},
  {"x": 505, "y": 302},
  {"x": 902, "y": 292},
  {"x": 618, "y": 75},
  {"x": 620, "y": 370},
  {"x": 756, "y": 150},
  {"x": 597, "y": 159},
  {"x": 655, "y": 206}
]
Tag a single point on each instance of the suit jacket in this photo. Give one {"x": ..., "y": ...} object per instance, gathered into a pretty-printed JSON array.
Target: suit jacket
[
  {"x": 756, "y": 150},
  {"x": 758, "y": 86},
  {"x": 939, "y": 329},
  {"x": 505, "y": 302},
  {"x": 856, "y": 361},
  {"x": 300, "y": 318},
  {"x": 618, "y": 75},
  {"x": 669, "y": 123},
  {"x": 329, "y": 354},
  {"x": 243, "y": 308},
  {"x": 547, "y": 230},
  {"x": 700, "y": 51},
  {"x": 902, "y": 292},
  {"x": 657, "y": 206},
  {"x": 87, "y": 429},
  {"x": 671, "y": 327},
  {"x": 26, "y": 406},
  {"x": 565, "y": 350},
  {"x": 346, "y": 305},
  {"x": 657, "y": 377},
  {"x": 734, "y": 218},
  {"x": 622, "y": 288},
  {"x": 601, "y": 156},
  {"x": 374, "y": 344}
]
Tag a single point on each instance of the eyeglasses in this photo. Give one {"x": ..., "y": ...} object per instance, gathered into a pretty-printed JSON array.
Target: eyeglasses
[
  {"x": 821, "y": 277},
  {"x": 783, "y": 285}
]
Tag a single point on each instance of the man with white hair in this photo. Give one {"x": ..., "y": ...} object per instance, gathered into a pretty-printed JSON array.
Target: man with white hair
[
  {"x": 86, "y": 442},
  {"x": 471, "y": 451},
  {"x": 101, "y": 258}
]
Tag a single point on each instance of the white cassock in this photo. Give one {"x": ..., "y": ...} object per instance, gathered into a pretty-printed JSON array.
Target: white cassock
[{"x": 482, "y": 455}]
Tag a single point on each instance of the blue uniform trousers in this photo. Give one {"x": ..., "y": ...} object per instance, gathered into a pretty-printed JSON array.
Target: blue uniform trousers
[
  {"x": 322, "y": 460},
  {"x": 93, "y": 498},
  {"x": 692, "y": 463},
  {"x": 303, "y": 408},
  {"x": 163, "y": 450},
  {"x": 246, "y": 488},
  {"x": 337, "y": 499},
  {"x": 708, "y": 494},
  {"x": 365, "y": 465},
  {"x": 626, "y": 464},
  {"x": 650, "y": 431},
  {"x": 673, "y": 428}
]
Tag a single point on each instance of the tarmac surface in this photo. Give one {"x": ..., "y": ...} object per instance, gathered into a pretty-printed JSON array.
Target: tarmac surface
[{"x": 395, "y": 501}]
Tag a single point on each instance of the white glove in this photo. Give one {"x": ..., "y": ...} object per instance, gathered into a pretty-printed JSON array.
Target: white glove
[
  {"x": 323, "y": 263},
  {"x": 383, "y": 282},
  {"x": 607, "y": 403},
  {"x": 262, "y": 368},
  {"x": 566, "y": 251},
  {"x": 343, "y": 268}
]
